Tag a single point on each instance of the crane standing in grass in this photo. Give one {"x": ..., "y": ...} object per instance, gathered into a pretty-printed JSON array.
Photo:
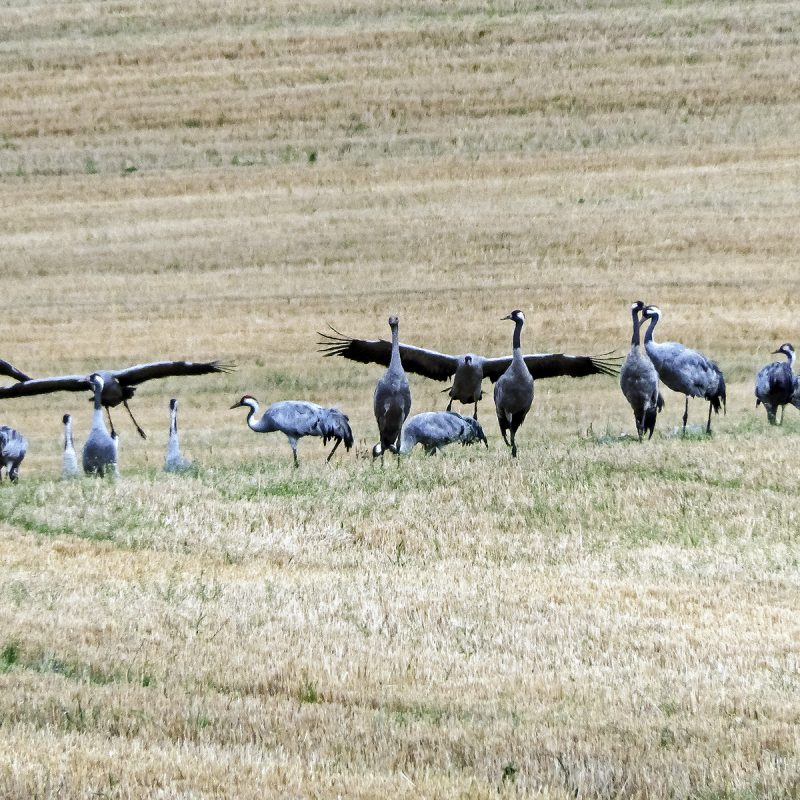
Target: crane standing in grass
[
  {"x": 392, "y": 399},
  {"x": 13, "y": 448},
  {"x": 776, "y": 383},
  {"x": 684, "y": 370},
  {"x": 69, "y": 467},
  {"x": 99, "y": 449},
  {"x": 174, "y": 460},
  {"x": 513, "y": 392},
  {"x": 638, "y": 380}
]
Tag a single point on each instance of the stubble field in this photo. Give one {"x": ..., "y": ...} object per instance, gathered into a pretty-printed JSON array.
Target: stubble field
[{"x": 220, "y": 180}]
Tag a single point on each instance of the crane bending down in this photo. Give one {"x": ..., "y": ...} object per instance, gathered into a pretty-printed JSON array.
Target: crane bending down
[
  {"x": 298, "y": 418},
  {"x": 776, "y": 383},
  {"x": 638, "y": 380},
  {"x": 13, "y": 447},
  {"x": 684, "y": 370},
  {"x": 392, "y": 399},
  {"x": 12, "y": 372},
  {"x": 436, "y": 429},
  {"x": 467, "y": 370},
  {"x": 119, "y": 385}
]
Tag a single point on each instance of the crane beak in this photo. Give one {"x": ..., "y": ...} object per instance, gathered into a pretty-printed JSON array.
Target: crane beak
[
  {"x": 236, "y": 405},
  {"x": 507, "y": 316}
]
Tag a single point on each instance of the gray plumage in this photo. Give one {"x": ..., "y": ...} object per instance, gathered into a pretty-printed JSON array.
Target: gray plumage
[
  {"x": 436, "y": 429},
  {"x": 392, "y": 399},
  {"x": 69, "y": 467},
  {"x": 13, "y": 447},
  {"x": 174, "y": 460},
  {"x": 99, "y": 450},
  {"x": 513, "y": 392},
  {"x": 776, "y": 383},
  {"x": 299, "y": 418},
  {"x": 467, "y": 371},
  {"x": 685, "y": 370},
  {"x": 119, "y": 385},
  {"x": 638, "y": 380}
]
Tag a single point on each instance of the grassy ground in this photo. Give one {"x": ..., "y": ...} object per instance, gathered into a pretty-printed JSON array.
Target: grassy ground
[{"x": 221, "y": 181}]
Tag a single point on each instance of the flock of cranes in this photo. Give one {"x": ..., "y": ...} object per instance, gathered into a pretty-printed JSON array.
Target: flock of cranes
[{"x": 680, "y": 368}]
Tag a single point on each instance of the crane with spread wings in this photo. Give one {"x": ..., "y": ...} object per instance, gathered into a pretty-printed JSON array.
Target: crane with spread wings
[
  {"x": 467, "y": 370},
  {"x": 118, "y": 385}
]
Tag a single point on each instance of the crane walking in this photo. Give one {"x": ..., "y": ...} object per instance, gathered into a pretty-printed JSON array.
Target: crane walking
[
  {"x": 13, "y": 448},
  {"x": 299, "y": 418}
]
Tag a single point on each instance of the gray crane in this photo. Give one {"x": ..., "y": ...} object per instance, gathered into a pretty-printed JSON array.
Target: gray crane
[
  {"x": 638, "y": 380},
  {"x": 468, "y": 370},
  {"x": 69, "y": 466},
  {"x": 392, "y": 399},
  {"x": 13, "y": 447},
  {"x": 12, "y": 372},
  {"x": 436, "y": 429},
  {"x": 99, "y": 449},
  {"x": 174, "y": 460},
  {"x": 776, "y": 383},
  {"x": 685, "y": 370},
  {"x": 118, "y": 385},
  {"x": 513, "y": 392},
  {"x": 299, "y": 418}
]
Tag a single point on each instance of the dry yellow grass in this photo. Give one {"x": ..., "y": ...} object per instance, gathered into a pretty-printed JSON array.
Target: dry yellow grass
[{"x": 220, "y": 180}]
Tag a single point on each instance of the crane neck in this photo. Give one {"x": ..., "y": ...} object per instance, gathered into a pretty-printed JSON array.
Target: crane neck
[
  {"x": 68, "y": 436},
  {"x": 635, "y": 339},
  {"x": 648, "y": 334},
  {"x": 98, "y": 397},
  {"x": 173, "y": 423},
  {"x": 251, "y": 422},
  {"x": 517, "y": 340},
  {"x": 395, "y": 363}
]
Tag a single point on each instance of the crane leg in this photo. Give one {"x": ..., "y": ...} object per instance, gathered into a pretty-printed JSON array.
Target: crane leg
[
  {"x": 513, "y": 445},
  {"x": 294, "y": 454},
  {"x": 685, "y": 414},
  {"x": 783, "y": 408},
  {"x": 475, "y": 412},
  {"x": 338, "y": 442},
  {"x": 138, "y": 429},
  {"x": 449, "y": 405},
  {"x": 708, "y": 427},
  {"x": 110, "y": 423}
]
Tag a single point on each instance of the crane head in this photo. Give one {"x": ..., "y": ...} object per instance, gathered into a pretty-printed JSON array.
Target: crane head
[
  {"x": 173, "y": 404},
  {"x": 785, "y": 349},
  {"x": 652, "y": 311},
  {"x": 516, "y": 316},
  {"x": 637, "y": 306},
  {"x": 96, "y": 380},
  {"x": 66, "y": 419},
  {"x": 247, "y": 400},
  {"x": 394, "y": 320}
]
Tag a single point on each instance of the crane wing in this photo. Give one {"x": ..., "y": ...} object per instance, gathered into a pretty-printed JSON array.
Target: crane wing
[
  {"x": 63, "y": 383},
  {"x": 438, "y": 366},
  {"x": 553, "y": 365},
  {"x": 131, "y": 376},
  {"x": 12, "y": 371}
]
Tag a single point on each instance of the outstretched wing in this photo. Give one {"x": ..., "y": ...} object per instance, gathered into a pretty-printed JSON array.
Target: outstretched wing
[
  {"x": 438, "y": 366},
  {"x": 553, "y": 365},
  {"x": 131, "y": 376},
  {"x": 63, "y": 383},
  {"x": 12, "y": 371}
]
